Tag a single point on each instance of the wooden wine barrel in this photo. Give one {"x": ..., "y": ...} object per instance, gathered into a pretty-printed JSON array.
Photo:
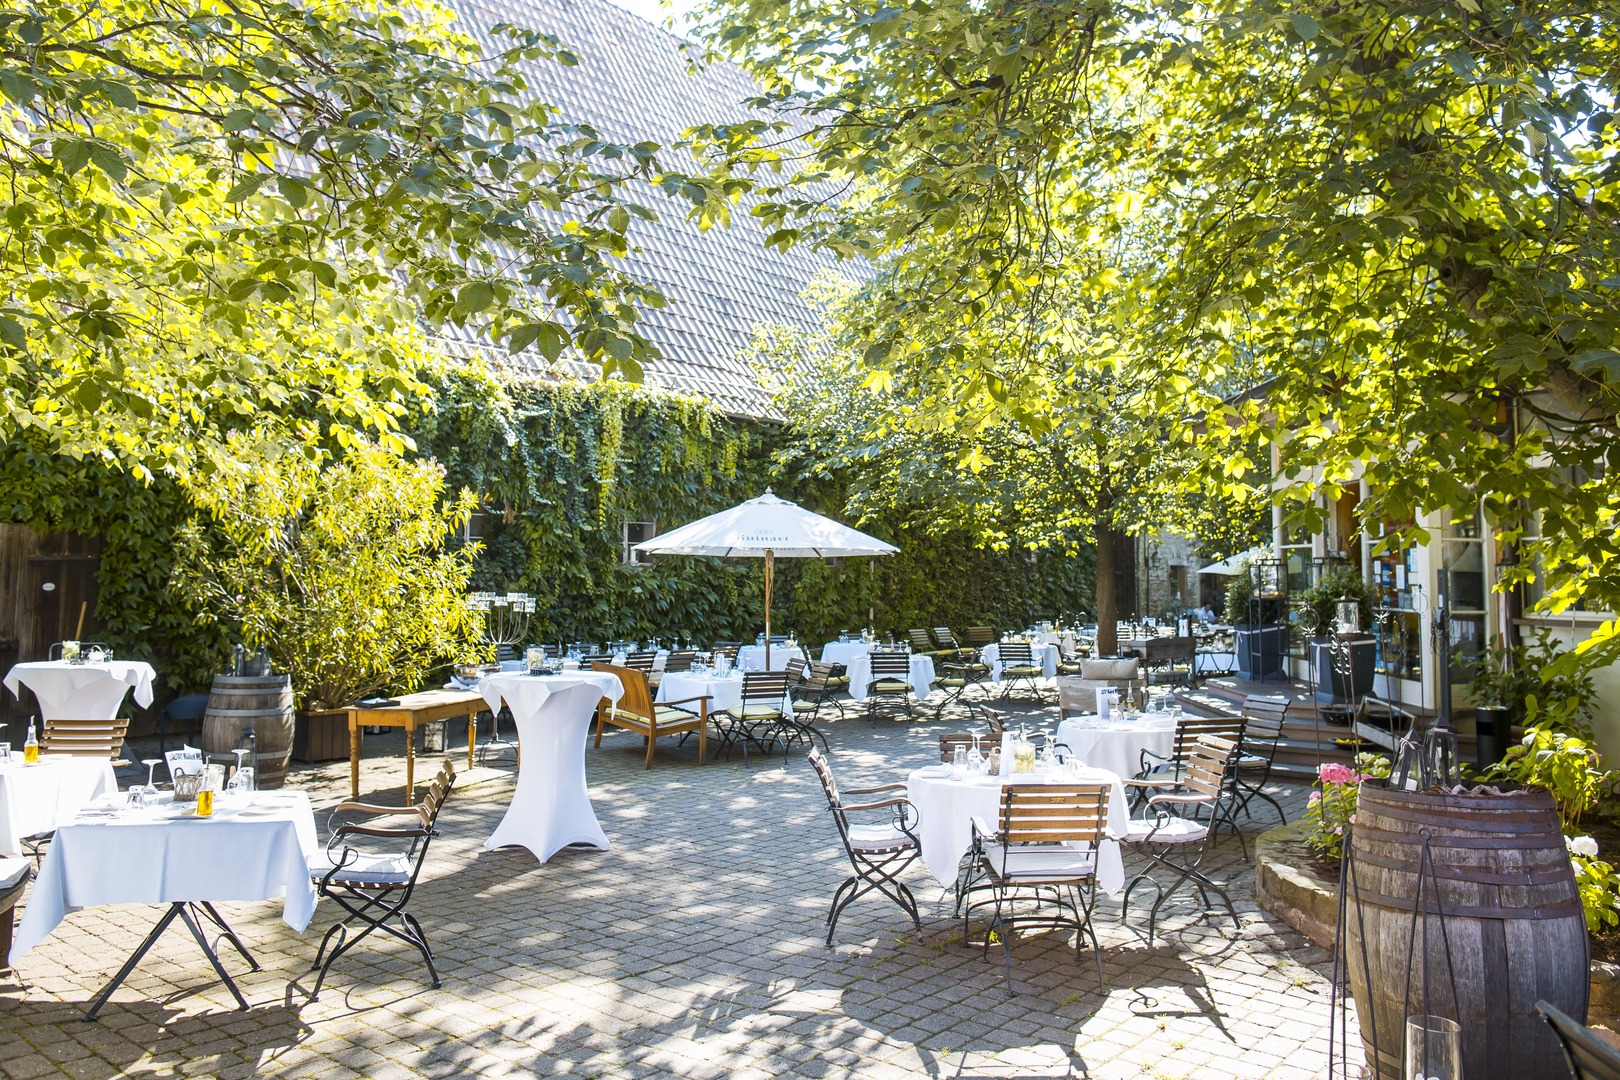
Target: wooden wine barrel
[
  {"x": 261, "y": 702},
  {"x": 1512, "y": 916}
]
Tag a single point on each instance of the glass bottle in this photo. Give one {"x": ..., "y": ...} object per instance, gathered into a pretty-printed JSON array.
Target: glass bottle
[{"x": 31, "y": 745}]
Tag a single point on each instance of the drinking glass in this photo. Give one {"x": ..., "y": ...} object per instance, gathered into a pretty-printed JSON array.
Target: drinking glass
[
  {"x": 1433, "y": 1048},
  {"x": 5, "y": 753},
  {"x": 242, "y": 779},
  {"x": 959, "y": 760},
  {"x": 975, "y": 757},
  {"x": 151, "y": 763}
]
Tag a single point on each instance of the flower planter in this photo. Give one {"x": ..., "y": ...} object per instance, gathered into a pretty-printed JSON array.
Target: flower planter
[
  {"x": 1332, "y": 685},
  {"x": 1260, "y": 651}
]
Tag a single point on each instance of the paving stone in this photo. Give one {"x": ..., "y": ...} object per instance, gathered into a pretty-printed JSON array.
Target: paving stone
[{"x": 694, "y": 948}]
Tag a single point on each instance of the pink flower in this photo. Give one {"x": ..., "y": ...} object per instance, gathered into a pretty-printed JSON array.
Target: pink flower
[{"x": 1335, "y": 773}]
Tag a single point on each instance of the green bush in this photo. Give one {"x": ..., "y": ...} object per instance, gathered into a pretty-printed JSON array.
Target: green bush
[
  {"x": 1318, "y": 605},
  {"x": 336, "y": 568}
]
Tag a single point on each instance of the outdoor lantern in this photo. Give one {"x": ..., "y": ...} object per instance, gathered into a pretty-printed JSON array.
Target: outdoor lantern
[{"x": 1347, "y": 615}]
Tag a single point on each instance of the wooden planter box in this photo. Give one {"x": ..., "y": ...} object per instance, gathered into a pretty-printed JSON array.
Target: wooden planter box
[{"x": 321, "y": 736}]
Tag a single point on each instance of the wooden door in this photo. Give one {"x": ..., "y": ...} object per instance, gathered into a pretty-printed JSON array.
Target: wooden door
[{"x": 44, "y": 580}]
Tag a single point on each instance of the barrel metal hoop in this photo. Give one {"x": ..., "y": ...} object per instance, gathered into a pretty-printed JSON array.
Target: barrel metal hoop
[
  {"x": 1477, "y": 875},
  {"x": 1554, "y": 840},
  {"x": 1403, "y": 907}
]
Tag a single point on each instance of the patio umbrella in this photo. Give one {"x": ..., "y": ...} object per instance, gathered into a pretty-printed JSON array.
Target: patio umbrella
[
  {"x": 771, "y": 529},
  {"x": 1232, "y": 565}
]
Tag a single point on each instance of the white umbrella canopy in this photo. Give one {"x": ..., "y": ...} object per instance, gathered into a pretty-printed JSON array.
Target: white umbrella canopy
[
  {"x": 1232, "y": 565},
  {"x": 767, "y": 528}
]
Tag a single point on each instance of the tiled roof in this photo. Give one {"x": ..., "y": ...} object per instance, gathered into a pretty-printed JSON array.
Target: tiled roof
[{"x": 633, "y": 83}]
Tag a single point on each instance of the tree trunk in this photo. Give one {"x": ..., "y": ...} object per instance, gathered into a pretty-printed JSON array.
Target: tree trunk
[{"x": 1107, "y": 595}]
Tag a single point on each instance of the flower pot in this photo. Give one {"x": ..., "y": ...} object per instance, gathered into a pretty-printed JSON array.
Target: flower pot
[
  {"x": 1334, "y": 686},
  {"x": 321, "y": 736},
  {"x": 1260, "y": 651}
]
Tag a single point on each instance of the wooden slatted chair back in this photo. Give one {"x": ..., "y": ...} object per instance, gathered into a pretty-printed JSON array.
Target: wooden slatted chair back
[
  {"x": 764, "y": 688},
  {"x": 888, "y": 664},
  {"x": 1192, "y": 728},
  {"x": 1264, "y": 716},
  {"x": 728, "y": 649},
  {"x": 979, "y": 636},
  {"x": 818, "y": 678},
  {"x": 1054, "y": 813},
  {"x": 920, "y": 641},
  {"x": 84, "y": 738},
  {"x": 590, "y": 660},
  {"x": 1016, "y": 654},
  {"x": 1205, "y": 764},
  {"x": 945, "y": 638},
  {"x": 637, "y": 699},
  {"x": 949, "y": 741},
  {"x": 680, "y": 660},
  {"x": 994, "y": 719},
  {"x": 641, "y": 661},
  {"x": 795, "y": 670}
]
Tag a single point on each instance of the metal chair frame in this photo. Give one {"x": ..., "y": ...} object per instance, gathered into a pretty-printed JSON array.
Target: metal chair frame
[
  {"x": 1262, "y": 732},
  {"x": 1018, "y": 654},
  {"x": 1165, "y": 774},
  {"x": 1035, "y": 820},
  {"x": 891, "y": 668},
  {"x": 815, "y": 688},
  {"x": 765, "y": 691},
  {"x": 376, "y": 903},
  {"x": 1206, "y": 786},
  {"x": 876, "y": 866}
]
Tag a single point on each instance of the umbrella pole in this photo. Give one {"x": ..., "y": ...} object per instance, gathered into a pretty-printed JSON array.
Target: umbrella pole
[{"x": 770, "y": 567}]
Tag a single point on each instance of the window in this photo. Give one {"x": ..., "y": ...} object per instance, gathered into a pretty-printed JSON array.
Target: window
[
  {"x": 637, "y": 532},
  {"x": 472, "y": 529},
  {"x": 1462, "y": 555}
]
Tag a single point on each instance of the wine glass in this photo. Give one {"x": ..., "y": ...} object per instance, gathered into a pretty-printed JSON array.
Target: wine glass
[
  {"x": 975, "y": 758},
  {"x": 151, "y": 763},
  {"x": 241, "y": 782}
]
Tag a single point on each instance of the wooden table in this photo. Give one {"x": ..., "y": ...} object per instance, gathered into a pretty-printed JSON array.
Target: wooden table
[{"x": 413, "y": 710}]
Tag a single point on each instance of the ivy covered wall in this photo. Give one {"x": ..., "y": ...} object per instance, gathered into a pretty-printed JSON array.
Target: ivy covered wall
[{"x": 563, "y": 467}]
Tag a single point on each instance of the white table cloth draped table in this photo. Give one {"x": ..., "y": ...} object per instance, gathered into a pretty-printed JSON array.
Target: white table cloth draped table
[
  {"x": 658, "y": 660},
  {"x": 725, "y": 693},
  {"x": 254, "y": 847},
  {"x": 752, "y": 657},
  {"x": 860, "y": 675},
  {"x": 1117, "y": 745},
  {"x": 551, "y": 807},
  {"x": 35, "y": 799},
  {"x": 842, "y": 652},
  {"x": 1044, "y": 655},
  {"x": 82, "y": 691},
  {"x": 947, "y": 805},
  {"x": 1214, "y": 662}
]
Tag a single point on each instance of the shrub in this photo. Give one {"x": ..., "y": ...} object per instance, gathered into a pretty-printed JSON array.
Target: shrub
[
  {"x": 1598, "y": 883},
  {"x": 1566, "y": 766},
  {"x": 336, "y": 568}
]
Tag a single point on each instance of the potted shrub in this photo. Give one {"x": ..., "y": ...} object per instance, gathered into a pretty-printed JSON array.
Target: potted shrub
[
  {"x": 1527, "y": 686},
  {"x": 338, "y": 568},
  {"x": 1260, "y": 643},
  {"x": 1318, "y": 614}
]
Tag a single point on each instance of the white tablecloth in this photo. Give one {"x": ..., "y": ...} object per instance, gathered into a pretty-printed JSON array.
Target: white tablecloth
[
  {"x": 35, "y": 799},
  {"x": 1044, "y": 655},
  {"x": 842, "y": 652},
  {"x": 658, "y": 660},
  {"x": 946, "y": 808},
  {"x": 550, "y": 806},
  {"x": 725, "y": 693},
  {"x": 752, "y": 657},
  {"x": 253, "y": 848},
  {"x": 860, "y": 675},
  {"x": 1117, "y": 745},
  {"x": 81, "y": 691},
  {"x": 1214, "y": 662}
]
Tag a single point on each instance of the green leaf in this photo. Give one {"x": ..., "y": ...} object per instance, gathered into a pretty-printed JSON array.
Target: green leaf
[
  {"x": 619, "y": 219},
  {"x": 72, "y": 154},
  {"x": 246, "y": 187},
  {"x": 17, "y": 87},
  {"x": 12, "y": 333},
  {"x": 1305, "y": 27}
]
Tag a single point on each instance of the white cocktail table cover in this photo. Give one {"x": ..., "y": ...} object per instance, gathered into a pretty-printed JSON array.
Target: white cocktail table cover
[
  {"x": 550, "y": 806},
  {"x": 35, "y": 799},
  {"x": 256, "y": 847},
  {"x": 1044, "y": 655},
  {"x": 860, "y": 675},
  {"x": 752, "y": 657},
  {"x": 81, "y": 691},
  {"x": 947, "y": 805},
  {"x": 1117, "y": 745}
]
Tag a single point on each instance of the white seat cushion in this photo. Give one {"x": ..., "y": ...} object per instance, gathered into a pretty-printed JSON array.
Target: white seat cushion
[
  {"x": 888, "y": 686},
  {"x": 391, "y": 869},
  {"x": 1176, "y": 830},
  {"x": 876, "y": 839},
  {"x": 755, "y": 712},
  {"x": 13, "y": 871},
  {"x": 1040, "y": 862}
]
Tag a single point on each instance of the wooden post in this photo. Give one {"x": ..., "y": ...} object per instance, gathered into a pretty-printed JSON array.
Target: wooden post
[{"x": 770, "y": 567}]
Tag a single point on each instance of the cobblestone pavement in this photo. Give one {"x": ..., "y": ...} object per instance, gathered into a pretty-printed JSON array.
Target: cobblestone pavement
[{"x": 693, "y": 948}]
